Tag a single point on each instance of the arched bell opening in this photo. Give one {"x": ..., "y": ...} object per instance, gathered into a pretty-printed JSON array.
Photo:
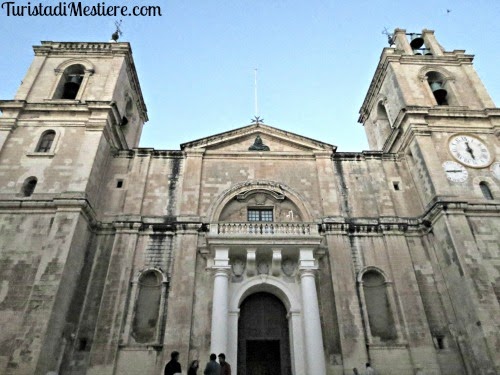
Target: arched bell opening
[
  {"x": 70, "y": 83},
  {"x": 437, "y": 84}
]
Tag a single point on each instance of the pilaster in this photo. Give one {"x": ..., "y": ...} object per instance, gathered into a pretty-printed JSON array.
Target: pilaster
[
  {"x": 404, "y": 296},
  {"x": 471, "y": 292},
  {"x": 111, "y": 316},
  {"x": 180, "y": 305},
  {"x": 191, "y": 186},
  {"x": 350, "y": 322},
  {"x": 326, "y": 183}
]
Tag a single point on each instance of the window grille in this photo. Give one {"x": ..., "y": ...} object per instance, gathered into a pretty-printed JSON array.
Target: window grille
[{"x": 260, "y": 214}]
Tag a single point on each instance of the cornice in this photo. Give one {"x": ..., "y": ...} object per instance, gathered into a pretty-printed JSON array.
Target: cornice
[
  {"x": 98, "y": 48},
  {"x": 365, "y": 155},
  {"x": 146, "y": 152},
  {"x": 419, "y": 225}
]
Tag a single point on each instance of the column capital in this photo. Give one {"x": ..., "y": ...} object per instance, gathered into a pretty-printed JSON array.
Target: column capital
[
  {"x": 307, "y": 272},
  {"x": 221, "y": 271}
]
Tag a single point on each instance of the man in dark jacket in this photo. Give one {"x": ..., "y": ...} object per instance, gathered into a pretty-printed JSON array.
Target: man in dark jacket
[
  {"x": 225, "y": 368},
  {"x": 213, "y": 368},
  {"x": 173, "y": 367}
]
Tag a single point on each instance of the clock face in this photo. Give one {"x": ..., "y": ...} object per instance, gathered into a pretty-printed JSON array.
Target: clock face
[
  {"x": 455, "y": 172},
  {"x": 469, "y": 150},
  {"x": 495, "y": 169}
]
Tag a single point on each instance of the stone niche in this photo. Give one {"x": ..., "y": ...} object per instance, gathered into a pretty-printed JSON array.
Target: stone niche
[{"x": 283, "y": 209}]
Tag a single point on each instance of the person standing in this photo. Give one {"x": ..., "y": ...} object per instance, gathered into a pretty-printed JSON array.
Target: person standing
[
  {"x": 355, "y": 371},
  {"x": 225, "y": 368},
  {"x": 173, "y": 366},
  {"x": 212, "y": 368},
  {"x": 194, "y": 367},
  {"x": 369, "y": 370}
]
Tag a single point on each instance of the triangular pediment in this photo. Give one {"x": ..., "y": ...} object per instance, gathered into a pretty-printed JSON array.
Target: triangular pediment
[{"x": 258, "y": 138}]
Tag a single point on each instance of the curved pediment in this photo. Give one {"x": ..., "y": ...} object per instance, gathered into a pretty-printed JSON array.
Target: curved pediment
[{"x": 234, "y": 203}]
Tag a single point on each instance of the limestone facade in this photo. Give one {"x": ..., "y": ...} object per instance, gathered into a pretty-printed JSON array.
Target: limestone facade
[{"x": 112, "y": 256}]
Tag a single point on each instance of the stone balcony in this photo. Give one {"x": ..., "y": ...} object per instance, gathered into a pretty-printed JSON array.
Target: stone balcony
[{"x": 263, "y": 229}]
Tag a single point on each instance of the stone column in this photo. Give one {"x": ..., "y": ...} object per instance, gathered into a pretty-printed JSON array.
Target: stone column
[
  {"x": 220, "y": 301},
  {"x": 313, "y": 336}
]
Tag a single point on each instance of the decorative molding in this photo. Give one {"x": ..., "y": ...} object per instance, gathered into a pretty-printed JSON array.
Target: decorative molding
[
  {"x": 246, "y": 194},
  {"x": 238, "y": 267}
]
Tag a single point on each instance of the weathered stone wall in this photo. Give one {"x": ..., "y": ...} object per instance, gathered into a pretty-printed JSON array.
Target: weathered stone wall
[
  {"x": 67, "y": 169},
  {"x": 18, "y": 270},
  {"x": 39, "y": 280}
]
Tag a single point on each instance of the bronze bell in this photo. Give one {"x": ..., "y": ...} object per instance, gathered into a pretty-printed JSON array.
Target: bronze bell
[
  {"x": 76, "y": 78},
  {"x": 439, "y": 92},
  {"x": 427, "y": 52},
  {"x": 72, "y": 86},
  {"x": 416, "y": 41},
  {"x": 417, "y": 52}
]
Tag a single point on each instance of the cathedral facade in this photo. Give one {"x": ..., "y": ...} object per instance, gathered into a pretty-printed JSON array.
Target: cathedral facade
[{"x": 274, "y": 248}]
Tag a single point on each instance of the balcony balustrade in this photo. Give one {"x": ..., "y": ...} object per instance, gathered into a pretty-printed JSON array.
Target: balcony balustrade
[{"x": 264, "y": 229}]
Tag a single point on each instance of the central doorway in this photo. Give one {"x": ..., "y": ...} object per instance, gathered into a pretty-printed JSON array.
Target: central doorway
[{"x": 263, "y": 344}]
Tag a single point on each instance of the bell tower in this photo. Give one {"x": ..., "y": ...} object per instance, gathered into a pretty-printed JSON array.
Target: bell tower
[
  {"x": 417, "y": 80},
  {"x": 78, "y": 104},
  {"x": 428, "y": 107}
]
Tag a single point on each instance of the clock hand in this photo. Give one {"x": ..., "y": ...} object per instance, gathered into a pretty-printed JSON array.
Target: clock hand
[{"x": 469, "y": 150}]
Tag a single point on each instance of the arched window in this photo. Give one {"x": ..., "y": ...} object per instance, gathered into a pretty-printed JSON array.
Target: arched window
[
  {"x": 29, "y": 186},
  {"x": 70, "y": 83},
  {"x": 147, "y": 307},
  {"x": 377, "y": 305},
  {"x": 486, "y": 190},
  {"x": 46, "y": 140}
]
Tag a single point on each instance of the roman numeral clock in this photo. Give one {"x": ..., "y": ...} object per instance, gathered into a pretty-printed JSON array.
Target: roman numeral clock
[{"x": 469, "y": 151}]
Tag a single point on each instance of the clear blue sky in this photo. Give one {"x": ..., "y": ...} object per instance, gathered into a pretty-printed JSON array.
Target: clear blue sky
[{"x": 315, "y": 59}]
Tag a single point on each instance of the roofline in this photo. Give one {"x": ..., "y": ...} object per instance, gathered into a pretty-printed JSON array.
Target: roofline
[{"x": 207, "y": 140}]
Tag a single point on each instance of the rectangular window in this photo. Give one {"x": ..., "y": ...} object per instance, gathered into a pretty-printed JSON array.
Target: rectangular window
[{"x": 265, "y": 214}]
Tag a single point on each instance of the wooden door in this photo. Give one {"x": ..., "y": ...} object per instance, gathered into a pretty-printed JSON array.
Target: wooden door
[{"x": 263, "y": 344}]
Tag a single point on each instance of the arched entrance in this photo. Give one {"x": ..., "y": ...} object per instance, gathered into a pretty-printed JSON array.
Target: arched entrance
[{"x": 263, "y": 344}]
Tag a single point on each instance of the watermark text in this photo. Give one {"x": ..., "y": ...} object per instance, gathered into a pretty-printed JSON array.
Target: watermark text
[{"x": 77, "y": 9}]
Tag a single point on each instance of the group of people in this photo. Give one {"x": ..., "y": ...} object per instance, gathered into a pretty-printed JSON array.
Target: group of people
[
  {"x": 369, "y": 370},
  {"x": 213, "y": 367},
  {"x": 173, "y": 367}
]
